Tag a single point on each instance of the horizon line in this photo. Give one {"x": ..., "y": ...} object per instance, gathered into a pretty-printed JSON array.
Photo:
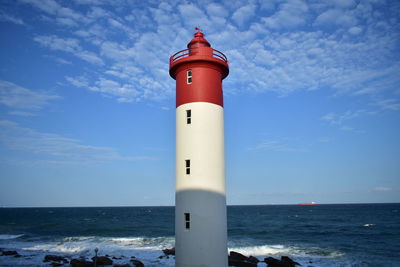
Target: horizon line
[{"x": 171, "y": 206}]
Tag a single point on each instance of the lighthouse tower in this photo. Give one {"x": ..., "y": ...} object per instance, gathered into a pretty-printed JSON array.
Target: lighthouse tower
[{"x": 200, "y": 212}]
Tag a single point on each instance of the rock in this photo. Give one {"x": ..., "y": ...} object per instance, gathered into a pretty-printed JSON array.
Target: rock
[
  {"x": 81, "y": 263},
  {"x": 48, "y": 258},
  {"x": 272, "y": 262},
  {"x": 283, "y": 262},
  {"x": 169, "y": 251},
  {"x": 242, "y": 264},
  {"x": 239, "y": 260},
  {"x": 237, "y": 256},
  {"x": 253, "y": 259},
  {"x": 137, "y": 263},
  {"x": 102, "y": 260},
  {"x": 122, "y": 265},
  {"x": 56, "y": 264},
  {"x": 10, "y": 253},
  {"x": 289, "y": 262}
]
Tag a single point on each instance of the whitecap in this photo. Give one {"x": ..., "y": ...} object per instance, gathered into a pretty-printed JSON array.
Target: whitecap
[
  {"x": 140, "y": 242},
  {"x": 369, "y": 224},
  {"x": 5, "y": 237},
  {"x": 280, "y": 250},
  {"x": 262, "y": 250},
  {"x": 85, "y": 245},
  {"x": 77, "y": 238}
]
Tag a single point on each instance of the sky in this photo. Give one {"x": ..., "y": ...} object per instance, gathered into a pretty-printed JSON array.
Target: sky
[{"x": 87, "y": 107}]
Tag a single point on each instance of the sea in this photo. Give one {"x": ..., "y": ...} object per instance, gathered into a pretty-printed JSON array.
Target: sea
[{"x": 318, "y": 235}]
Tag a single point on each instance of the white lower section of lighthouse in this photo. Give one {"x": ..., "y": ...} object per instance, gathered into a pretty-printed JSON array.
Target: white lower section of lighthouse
[{"x": 200, "y": 213}]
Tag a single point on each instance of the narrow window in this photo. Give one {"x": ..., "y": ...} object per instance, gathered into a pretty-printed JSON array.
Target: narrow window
[
  {"x": 188, "y": 116},
  {"x": 187, "y": 220},
  {"x": 189, "y": 76},
  {"x": 187, "y": 166}
]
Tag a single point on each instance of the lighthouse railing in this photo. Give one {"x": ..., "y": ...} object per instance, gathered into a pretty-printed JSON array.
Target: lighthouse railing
[{"x": 198, "y": 52}]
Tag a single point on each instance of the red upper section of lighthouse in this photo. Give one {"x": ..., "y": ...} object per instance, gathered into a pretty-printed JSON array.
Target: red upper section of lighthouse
[
  {"x": 206, "y": 67},
  {"x": 198, "y": 41}
]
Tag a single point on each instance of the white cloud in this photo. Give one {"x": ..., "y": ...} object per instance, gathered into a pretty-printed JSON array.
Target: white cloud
[
  {"x": 382, "y": 189},
  {"x": 339, "y": 119},
  {"x": 349, "y": 129},
  {"x": 22, "y": 113},
  {"x": 114, "y": 23},
  {"x": 216, "y": 10},
  {"x": 243, "y": 14},
  {"x": 97, "y": 13},
  {"x": 63, "y": 15},
  {"x": 116, "y": 51},
  {"x": 343, "y": 3},
  {"x": 348, "y": 50},
  {"x": 287, "y": 62},
  {"x": 56, "y": 43},
  {"x": 163, "y": 15},
  {"x": 355, "y": 30},
  {"x": 89, "y": 57},
  {"x": 290, "y": 15},
  {"x": 389, "y": 104},
  {"x": 58, "y": 59},
  {"x": 136, "y": 73},
  {"x": 324, "y": 140},
  {"x": 15, "y": 96},
  {"x": 47, "y": 6},
  {"x": 10, "y": 18},
  {"x": 107, "y": 87},
  {"x": 57, "y": 147},
  {"x": 67, "y": 21},
  {"x": 80, "y": 81},
  {"x": 336, "y": 17},
  {"x": 193, "y": 16},
  {"x": 69, "y": 45},
  {"x": 277, "y": 146}
]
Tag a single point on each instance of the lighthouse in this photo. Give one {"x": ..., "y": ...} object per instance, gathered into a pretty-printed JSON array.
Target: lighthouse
[{"x": 200, "y": 211}]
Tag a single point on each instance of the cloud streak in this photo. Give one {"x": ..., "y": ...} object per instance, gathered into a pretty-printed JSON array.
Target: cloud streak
[
  {"x": 11, "y": 18},
  {"x": 382, "y": 189},
  {"x": 15, "y": 96},
  {"x": 276, "y": 146},
  {"x": 69, "y": 45},
  {"x": 56, "y": 146},
  {"x": 338, "y": 119}
]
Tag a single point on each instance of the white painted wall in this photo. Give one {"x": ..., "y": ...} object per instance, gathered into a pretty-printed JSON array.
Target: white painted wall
[{"x": 202, "y": 193}]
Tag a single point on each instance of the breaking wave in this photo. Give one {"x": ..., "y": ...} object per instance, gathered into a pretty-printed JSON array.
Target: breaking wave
[
  {"x": 6, "y": 237},
  {"x": 295, "y": 251}
]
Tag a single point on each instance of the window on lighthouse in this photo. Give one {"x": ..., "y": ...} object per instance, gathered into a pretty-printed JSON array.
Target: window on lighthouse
[
  {"x": 188, "y": 116},
  {"x": 187, "y": 162},
  {"x": 189, "y": 76},
  {"x": 187, "y": 220}
]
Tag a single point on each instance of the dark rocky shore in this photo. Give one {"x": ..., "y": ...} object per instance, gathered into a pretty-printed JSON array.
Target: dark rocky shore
[{"x": 235, "y": 260}]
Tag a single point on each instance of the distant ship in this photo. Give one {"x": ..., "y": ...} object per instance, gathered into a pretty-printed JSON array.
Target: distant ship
[{"x": 311, "y": 203}]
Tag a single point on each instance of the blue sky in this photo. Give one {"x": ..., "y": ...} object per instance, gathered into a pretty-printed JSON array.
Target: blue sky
[{"x": 87, "y": 108}]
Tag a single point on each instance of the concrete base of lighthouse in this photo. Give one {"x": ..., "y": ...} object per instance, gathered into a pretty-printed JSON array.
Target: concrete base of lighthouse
[{"x": 201, "y": 193}]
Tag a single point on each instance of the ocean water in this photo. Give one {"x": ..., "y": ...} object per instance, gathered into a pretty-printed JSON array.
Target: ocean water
[{"x": 320, "y": 235}]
